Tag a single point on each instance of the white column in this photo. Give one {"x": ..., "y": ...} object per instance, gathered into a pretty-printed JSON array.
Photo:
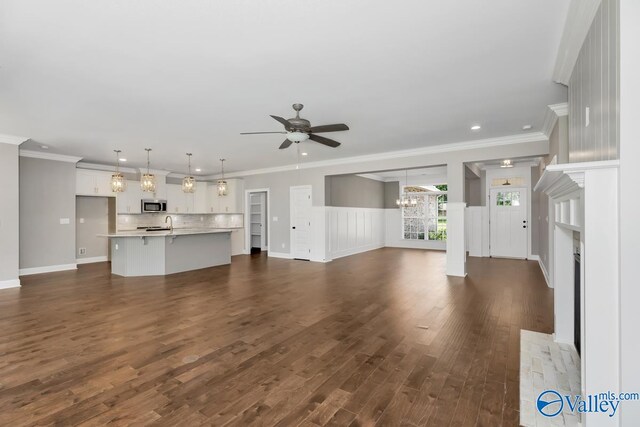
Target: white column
[
  {"x": 563, "y": 296},
  {"x": 9, "y": 213},
  {"x": 629, "y": 207},
  {"x": 456, "y": 253}
]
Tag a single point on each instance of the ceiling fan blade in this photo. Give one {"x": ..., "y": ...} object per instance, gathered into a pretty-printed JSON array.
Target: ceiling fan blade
[
  {"x": 329, "y": 128},
  {"x": 258, "y": 133},
  {"x": 285, "y": 122},
  {"x": 323, "y": 140},
  {"x": 285, "y": 144}
]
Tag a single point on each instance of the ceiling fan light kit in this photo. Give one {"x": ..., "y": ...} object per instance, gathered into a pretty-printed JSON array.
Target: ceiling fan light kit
[{"x": 298, "y": 130}]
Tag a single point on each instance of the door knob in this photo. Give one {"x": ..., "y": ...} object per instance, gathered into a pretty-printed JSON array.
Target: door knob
[
  {"x": 293, "y": 228},
  {"x": 524, "y": 226}
]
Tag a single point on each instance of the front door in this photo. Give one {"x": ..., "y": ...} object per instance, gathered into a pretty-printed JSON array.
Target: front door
[
  {"x": 509, "y": 223},
  {"x": 301, "y": 222}
]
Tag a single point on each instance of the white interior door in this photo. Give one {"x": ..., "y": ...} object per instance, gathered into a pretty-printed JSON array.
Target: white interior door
[
  {"x": 301, "y": 222},
  {"x": 509, "y": 222}
]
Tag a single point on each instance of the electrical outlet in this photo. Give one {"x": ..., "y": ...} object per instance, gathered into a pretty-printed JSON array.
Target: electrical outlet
[
  {"x": 81, "y": 220},
  {"x": 64, "y": 221},
  {"x": 82, "y": 251},
  {"x": 283, "y": 246},
  {"x": 116, "y": 246}
]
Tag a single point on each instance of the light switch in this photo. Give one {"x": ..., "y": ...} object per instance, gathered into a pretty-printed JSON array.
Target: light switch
[
  {"x": 81, "y": 220},
  {"x": 275, "y": 219},
  {"x": 64, "y": 221}
]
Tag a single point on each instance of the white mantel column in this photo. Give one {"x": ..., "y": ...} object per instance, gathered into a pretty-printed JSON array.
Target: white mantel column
[
  {"x": 456, "y": 251},
  {"x": 629, "y": 208},
  {"x": 9, "y": 213}
]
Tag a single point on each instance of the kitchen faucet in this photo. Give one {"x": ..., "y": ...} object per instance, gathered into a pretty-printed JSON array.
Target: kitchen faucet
[{"x": 170, "y": 219}]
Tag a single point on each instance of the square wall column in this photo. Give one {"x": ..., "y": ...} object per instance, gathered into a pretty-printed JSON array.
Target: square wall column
[
  {"x": 456, "y": 251},
  {"x": 9, "y": 214}
]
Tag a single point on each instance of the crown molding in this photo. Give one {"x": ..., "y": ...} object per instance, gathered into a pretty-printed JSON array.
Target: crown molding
[
  {"x": 158, "y": 172},
  {"x": 576, "y": 28},
  {"x": 49, "y": 156},
  {"x": 12, "y": 139},
  {"x": 372, "y": 176},
  {"x": 434, "y": 149},
  {"x": 105, "y": 168},
  {"x": 551, "y": 115}
]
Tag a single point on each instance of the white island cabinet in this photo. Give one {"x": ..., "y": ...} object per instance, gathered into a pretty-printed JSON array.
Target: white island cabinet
[{"x": 143, "y": 253}]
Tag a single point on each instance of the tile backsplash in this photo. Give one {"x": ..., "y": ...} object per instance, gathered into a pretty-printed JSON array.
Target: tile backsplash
[{"x": 220, "y": 220}]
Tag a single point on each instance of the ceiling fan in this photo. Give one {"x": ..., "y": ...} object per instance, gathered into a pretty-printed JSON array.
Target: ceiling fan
[{"x": 298, "y": 129}]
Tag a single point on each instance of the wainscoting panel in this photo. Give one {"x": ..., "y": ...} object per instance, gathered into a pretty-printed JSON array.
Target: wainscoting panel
[{"x": 354, "y": 230}]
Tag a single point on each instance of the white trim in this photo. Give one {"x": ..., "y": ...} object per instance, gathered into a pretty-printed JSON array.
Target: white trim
[
  {"x": 104, "y": 168},
  {"x": 372, "y": 176},
  {"x": 158, "y": 172},
  {"x": 247, "y": 218},
  {"x": 47, "y": 269},
  {"x": 551, "y": 115},
  {"x": 49, "y": 156},
  {"x": 91, "y": 260},
  {"x": 279, "y": 255},
  {"x": 544, "y": 272},
  {"x": 8, "y": 284},
  {"x": 533, "y": 257},
  {"x": 12, "y": 139},
  {"x": 576, "y": 28},
  {"x": 442, "y": 148}
]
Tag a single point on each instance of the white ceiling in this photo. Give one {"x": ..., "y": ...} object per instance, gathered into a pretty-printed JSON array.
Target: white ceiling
[{"x": 87, "y": 77}]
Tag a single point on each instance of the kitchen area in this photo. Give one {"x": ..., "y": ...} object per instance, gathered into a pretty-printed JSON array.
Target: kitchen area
[{"x": 176, "y": 225}]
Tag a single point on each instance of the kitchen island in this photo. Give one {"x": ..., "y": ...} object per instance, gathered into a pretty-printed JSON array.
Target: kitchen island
[{"x": 157, "y": 253}]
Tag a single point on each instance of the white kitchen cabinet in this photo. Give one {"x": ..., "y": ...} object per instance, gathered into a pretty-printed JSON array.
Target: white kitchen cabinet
[
  {"x": 176, "y": 200},
  {"x": 200, "y": 201},
  {"x": 93, "y": 183},
  {"x": 231, "y": 203},
  {"x": 128, "y": 202}
]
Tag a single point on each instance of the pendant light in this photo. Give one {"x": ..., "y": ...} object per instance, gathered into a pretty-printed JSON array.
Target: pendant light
[
  {"x": 189, "y": 182},
  {"x": 148, "y": 180},
  {"x": 118, "y": 184},
  {"x": 222, "y": 184},
  {"x": 405, "y": 201}
]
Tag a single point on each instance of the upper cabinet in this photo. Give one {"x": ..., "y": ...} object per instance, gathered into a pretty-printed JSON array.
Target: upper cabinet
[
  {"x": 129, "y": 201},
  {"x": 231, "y": 203},
  {"x": 93, "y": 183}
]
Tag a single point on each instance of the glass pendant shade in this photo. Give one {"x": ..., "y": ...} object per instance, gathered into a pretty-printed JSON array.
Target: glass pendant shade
[
  {"x": 189, "y": 182},
  {"x": 222, "y": 184},
  {"x": 148, "y": 180},
  {"x": 118, "y": 183},
  {"x": 404, "y": 200},
  {"x": 222, "y": 187}
]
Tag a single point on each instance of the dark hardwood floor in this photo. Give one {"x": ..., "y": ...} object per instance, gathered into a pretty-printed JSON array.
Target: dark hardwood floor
[{"x": 380, "y": 338}]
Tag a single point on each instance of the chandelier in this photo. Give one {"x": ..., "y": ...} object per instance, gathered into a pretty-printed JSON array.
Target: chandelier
[
  {"x": 148, "y": 180},
  {"x": 189, "y": 182},
  {"x": 406, "y": 201},
  {"x": 222, "y": 184},
  {"x": 118, "y": 184}
]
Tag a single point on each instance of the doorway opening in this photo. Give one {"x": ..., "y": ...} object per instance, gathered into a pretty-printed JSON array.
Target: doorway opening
[{"x": 257, "y": 228}]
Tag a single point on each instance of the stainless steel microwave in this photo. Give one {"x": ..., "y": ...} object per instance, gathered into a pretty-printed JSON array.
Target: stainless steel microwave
[{"x": 150, "y": 205}]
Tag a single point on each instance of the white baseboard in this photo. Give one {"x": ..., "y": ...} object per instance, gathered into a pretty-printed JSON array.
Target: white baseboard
[
  {"x": 358, "y": 250},
  {"x": 8, "y": 284},
  {"x": 544, "y": 273},
  {"x": 47, "y": 269},
  {"x": 91, "y": 260},
  {"x": 279, "y": 255},
  {"x": 534, "y": 258}
]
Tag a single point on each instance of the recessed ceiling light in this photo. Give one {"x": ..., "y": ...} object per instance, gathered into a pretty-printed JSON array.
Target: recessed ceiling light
[
  {"x": 305, "y": 154},
  {"x": 198, "y": 170},
  {"x": 44, "y": 147},
  {"x": 526, "y": 127},
  {"x": 122, "y": 159},
  {"x": 475, "y": 127}
]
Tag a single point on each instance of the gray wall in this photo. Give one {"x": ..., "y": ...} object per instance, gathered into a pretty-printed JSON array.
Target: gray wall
[
  {"x": 280, "y": 182},
  {"x": 595, "y": 84},
  {"x": 92, "y": 218},
  {"x": 47, "y": 194},
  {"x": 391, "y": 194},
  {"x": 9, "y": 212},
  {"x": 472, "y": 192},
  {"x": 352, "y": 191}
]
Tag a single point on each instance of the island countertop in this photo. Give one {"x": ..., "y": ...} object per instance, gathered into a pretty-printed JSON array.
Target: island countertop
[{"x": 165, "y": 233}]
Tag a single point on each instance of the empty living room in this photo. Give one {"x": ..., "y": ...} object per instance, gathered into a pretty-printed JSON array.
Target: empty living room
[{"x": 305, "y": 213}]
